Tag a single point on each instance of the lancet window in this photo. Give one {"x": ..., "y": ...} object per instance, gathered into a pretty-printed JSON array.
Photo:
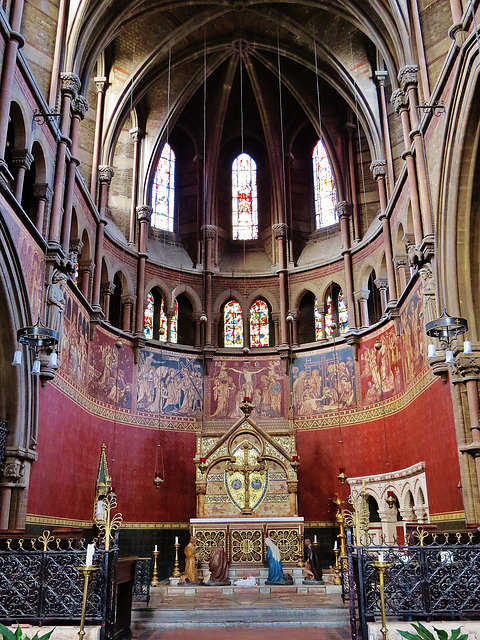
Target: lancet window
[
  {"x": 325, "y": 193},
  {"x": 163, "y": 190},
  {"x": 318, "y": 321},
  {"x": 233, "y": 324},
  {"x": 155, "y": 319},
  {"x": 244, "y": 198},
  {"x": 336, "y": 316},
  {"x": 259, "y": 324}
]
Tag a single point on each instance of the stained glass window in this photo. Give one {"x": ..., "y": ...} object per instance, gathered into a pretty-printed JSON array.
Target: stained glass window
[
  {"x": 342, "y": 313},
  {"x": 259, "y": 326},
  {"x": 151, "y": 313},
  {"x": 233, "y": 324},
  {"x": 163, "y": 190},
  {"x": 329, "y": 319},
  {"x": 324, "y": 188},
  {"x": 148, "y": 317},
  {"x": 244, "y": 198},
  {"x": 174, "y": 324},
  {"x": 318, "y": 321},
  {"x": 337, "y": 313}
]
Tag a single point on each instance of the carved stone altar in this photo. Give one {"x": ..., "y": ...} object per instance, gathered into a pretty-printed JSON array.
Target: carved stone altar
[{"x": 246, "y": 483}]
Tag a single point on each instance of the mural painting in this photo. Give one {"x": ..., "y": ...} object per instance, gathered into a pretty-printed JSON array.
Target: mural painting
[
  {"x": 381, "y": 368},
  {"x": 32, "y": 258},
  {"x": 413, "y": 338},
  {"x": 323, "y": 382},
  {"x": 110, "y": 371},
  {"x": 260, "y": 381},
  {"x": 169, "y": 383},
  {"x": 73, "y": 357}
]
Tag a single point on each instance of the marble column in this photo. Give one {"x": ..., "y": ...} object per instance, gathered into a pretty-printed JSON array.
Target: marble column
[
  {"x": 378, "y": 170},
  {"x": 85, "y": 268},
  {"x": 22, "y": 160},
  {"x": 107, "y": 290},
  {"x": 127, "y": 307},
  {"x": 382, "y": 285},
  {"x": 279, "y": 231},
  {"x": 42, "y": 194},
  {"x": 97, "y": 274},
  {"x": 344, "y": 211},
  {"x": 209, "y": 235},
  {"x": 144, "y": 214},
  {"x": 401, "y": 263},
  {"x": 381, "y": 76},
  {"x": 350, "y": 129},
  {"x": 361, "y": 297},
  {"x": 100, "y": 83},
  {"x": 137, "y": 135}
]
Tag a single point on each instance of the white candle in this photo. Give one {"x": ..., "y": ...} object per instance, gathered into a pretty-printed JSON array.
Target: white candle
[
  {"x": 315, "y": 539},
  {"x": 299, "y": 530},
  {"x": 90, "y": 552},
  {"x": 176, "y": 539},
  {"x": 380, "y": 556},
  {"x": 156, "y": 548},
  {"x": 335, "y": 546}
]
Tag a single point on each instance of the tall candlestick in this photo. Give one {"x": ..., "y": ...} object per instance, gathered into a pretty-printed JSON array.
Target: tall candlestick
[
  {"x": 176, "y": 539},
  {"x": 90, "y": 552},
  {"x": 335, "y": 546},
  {"x": 314, "y": 539},
  {"x": 156, "y": 548}
]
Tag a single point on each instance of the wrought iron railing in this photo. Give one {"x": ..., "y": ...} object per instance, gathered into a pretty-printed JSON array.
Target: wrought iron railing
[
  {"x": 143, "y": 575},
  {"x": 40, "y": 584}
]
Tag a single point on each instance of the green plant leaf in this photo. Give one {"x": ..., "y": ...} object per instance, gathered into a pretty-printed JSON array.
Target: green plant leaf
[
  {"x": 46, "y": 636},
  {"x": 422, "y": 631},
  {"x": 6, "y": 633},
  {"x": 18, "y": 633},
  {"x": 408, "y": 635},
  {"x": 442, "y": 634}
]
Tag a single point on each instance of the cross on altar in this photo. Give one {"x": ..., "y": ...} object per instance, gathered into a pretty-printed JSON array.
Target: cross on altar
[{"x": 246, "y": 469}]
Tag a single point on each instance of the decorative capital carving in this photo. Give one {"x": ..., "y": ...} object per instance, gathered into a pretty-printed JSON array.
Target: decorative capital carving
[
  {"x": 41, "y": 191},
  {"x": 362, "y": 294},
  {"x": 76, "y": 246},
  {"x": 127, "y": 299},
  {"x": 279, "y": 230},
  {"x": 136, "y": 133},
  {"x": 108, "y": 288},
  {"x": 144, "y": 213},
  {"x": 100, "y": 83},
  {"x": 22, "y": 158},
  {"x": 400, "y": 261},
  {"x": 79, "y": 106},
  {"x": 70, "y": 84},
  {"x": 466, "y": 367},
  {"x": 13, "y": 471},
  {"x": 105, "y": 173},
  {"x": 381, "y": 283},
  {"x": 407, "y": 76},
  {"x": 378, "y": 168},
  {"x": 85, "y": 265},
  {"x": 381, "y": 76},
  {"x": 399, "y": 100},
  {"x": 343, "y": 208},
  {"x": 209, "y": 231}
]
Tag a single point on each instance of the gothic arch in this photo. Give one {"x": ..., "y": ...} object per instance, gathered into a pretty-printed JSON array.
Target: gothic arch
[{"x": 191, "y": 294}]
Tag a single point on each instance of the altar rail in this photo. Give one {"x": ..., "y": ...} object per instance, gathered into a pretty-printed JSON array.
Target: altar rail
[
  {"x": 40, "y": 584},
  {"x": 434, "y": 581}
]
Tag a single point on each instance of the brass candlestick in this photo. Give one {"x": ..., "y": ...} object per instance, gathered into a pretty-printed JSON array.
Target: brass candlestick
[
  {"x": 86, "y": 571},
  {"x": 154, "y": 582},
  {"x": 381, "y": 567},
  {"x": 337, "y": 568},
  {"x": 300, "y": 561},
  {"x": 176, "y": 570}
]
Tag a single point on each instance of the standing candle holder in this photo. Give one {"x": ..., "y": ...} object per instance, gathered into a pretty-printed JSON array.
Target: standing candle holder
[
  {"x": 176, "y": 569},
  {"x": 381, "y": 566},
  {"x": 337, "y": 568},
  {"x": 154, "y": 581},
  {"x": 87, "y": 571}
]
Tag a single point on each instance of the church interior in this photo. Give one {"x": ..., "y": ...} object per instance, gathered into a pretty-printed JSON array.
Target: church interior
[{"x": 239, "y": 268}]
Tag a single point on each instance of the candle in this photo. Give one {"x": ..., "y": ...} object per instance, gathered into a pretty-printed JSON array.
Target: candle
[
  {"x": 298, "y": 529},
  {"x": 90, "y": 552},
  {"x": 314, "y": 539},
  {"x": 335, "y": 546},
  {"x": 176, "y": 539},
  {"x": 380, "y": 556},
  {"x": 156, "y": 548}
]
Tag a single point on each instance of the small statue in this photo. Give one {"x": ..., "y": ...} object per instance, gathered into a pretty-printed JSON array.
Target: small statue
[
  {"x": 313, "y": 565},
  {"x": 56, "y": 304},
  {"x": 191, "y": 561},
  {"x": 275, "y": 568},
  {"x": 218, "y": 565}
]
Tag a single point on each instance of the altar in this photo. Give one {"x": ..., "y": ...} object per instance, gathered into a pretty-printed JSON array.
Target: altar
[{"x": 246, "y": 485}]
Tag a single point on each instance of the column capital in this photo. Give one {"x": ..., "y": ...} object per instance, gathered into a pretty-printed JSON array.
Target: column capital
[
  {"x": 75, "y": 246},
  {"x": 209, "y": 231},
  {"x": 108, "y": 288},
  {"x": 105, "y": 173},
  {"x": 361, "y": 294},
  {"x": 465, "y": 368},
  {"x": 381, "y": 76},
  {"x": 127, "y": 299},
  {"x": 381, "y": 282},
  {"x": 407, "y": 76},
  {"x": 42, "y": 191},
  {"x": 136, "y": 133},
  {"x": 279, "y": 230},
  {"x": 343, "y": 208},
  {"x": 399, "y": 100},
  {"x": 79, "y": 106},
  {"x": 85, "y": 265},
  {"x": 100, "y": 82},
  {"x": 144, "y": 213},
  {"x": 70, "y": 84},
  {"x": 378, "y": 169},
  {"x": 22, "y": 158},
  {"x": 400, "y": 260}
]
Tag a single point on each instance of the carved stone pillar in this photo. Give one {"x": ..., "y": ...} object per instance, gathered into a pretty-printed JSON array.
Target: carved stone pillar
[
  {"x": 100, "y": 83},
  {"x": 344, "y": 211},
  {"x": 136, "y": 137},
  {"x": 107, "y": 289},
  {"x": 215, "y": 326},
  {"x": 294, "y": 317},
  {"x": 407, "y": 77},
  {"x": 209, "y": 235},
  {"x": 400, "y": 101},
  {"x": 85, "y": 268},
  {"x": 381, "y": 76},
  {"x": 42, "y": 194},
  {"x": 279, "y": 231},
  {"x": 14, "y": 42},
  {"x": 144, "y": 214},
  {"x": 127, "y": 305},
  {"x": 79, "y": 107},
  {"x": 105, "y": 175},
  {"x": 350, "y": 129},
  {"x": 361, "y": 297},
  {"x": 276, "y": 320},
  {"x": 382, "y": 286},
  {"x": 292, "y": 487},
  {"x": 21, "y": 159},
  {"x": 70, "y": 86},
  {"x": 97, "y": 276},
  {"x": 378, "y": 169},
  {"x": 401, "y": 263},
  {"x": 198, "y": 329}
]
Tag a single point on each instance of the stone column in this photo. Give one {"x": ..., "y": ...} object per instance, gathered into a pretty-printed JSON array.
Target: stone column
[
  {"x": 344, "y": 212},
  {"x": 97, "y": 274},
  {"x": 42, "y": 194},
  {"x": 14, "y": 42},
  {"x": 85, "y": 267},
  {"x": 279, "y": 231},
  {"x": 79, "y": 107},
  {"x": 378, "y": 169},
  {"x": 209, "y": 235},
  {"x": 350, "y": 128},
  {"x": 382, "y": 286},
  {"x": 74, "y": 250},
  {"x": 361, "y": 297},
  {"x": 100, "y": 83},
  {"x": 105, "y": 175},
  {"x": 127, "y": 303},
  {"x": 381, "y": 77},
  {"x": 136, "y": 136},
  {"x": 70, "y": 87},
  {"x": 22, "y": 159},
  {"x": 144, "y": 214},
  {"x": 294, "y": 315},
  {"x": 401, "y": 263},
  {"x": 400, "y": 101},
  {"x": 107, "y": 289},
  {"x": 198, "y": 329}
]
